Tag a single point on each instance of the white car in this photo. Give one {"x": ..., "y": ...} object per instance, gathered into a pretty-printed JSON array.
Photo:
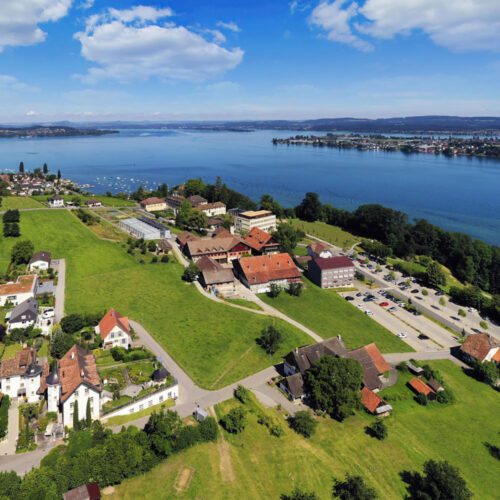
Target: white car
[
  {"x": 401, "y": 304},
  {"x": 49, "y": 313},
  {"x": 361, "y": 306},
  {"x": 472, "y": 310},
  {"x": 369, "y": 313},
  {"x": 401, "y": 335}
]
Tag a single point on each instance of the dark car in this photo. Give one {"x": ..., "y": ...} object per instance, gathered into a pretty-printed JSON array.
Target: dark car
[
  {"x": 348, "y": 297},
  {"x": 359, "y": 294},
  {"x": 415, "y": 290},
  {"x": 422, "y": 336},
  {"x": 439, "y": 293},
  {"x": 417, "y": 313}
]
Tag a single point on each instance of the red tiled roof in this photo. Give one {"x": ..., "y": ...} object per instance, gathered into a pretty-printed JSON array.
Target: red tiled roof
[
  {"x": 186, "y": 236},
  {"x": 18, "y": 364},
  {"x": 420, "y": 387},
  {"x": 370, "y": 400},
  {"x": 75, "y": 368},
  {"x": 265, "y": 268},
  {"x": 318, "y": 247},
  {"x": 333, "y": 262},
  {"x": 478, "y": 345},
  {"x": 152, "y": 201},
  {"x": 208, "y": 246},
  {"x": 378, "y": 359},
  {"x": 496, "y": 357},
  {"x": 258, "y": 239},
  {"x": 24, "y": 284},
  {"x": 221, "y": 232},
  {"x": 112, "y": 319}
]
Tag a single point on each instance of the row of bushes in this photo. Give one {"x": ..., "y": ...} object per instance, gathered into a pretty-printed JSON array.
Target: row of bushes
[
  {"x": 4, "y": 415},
  {"x": 121, "y": 354}
]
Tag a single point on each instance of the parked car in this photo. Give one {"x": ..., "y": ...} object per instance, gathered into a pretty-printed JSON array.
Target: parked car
[
  {"x": 348, "y": 297},
  {"x": 384, "y": 304},
  {"x": 361, "y": 306},
  {"x": 401, "y": 335},
  {"x": 422, "y": 336},
  {"x": 359, "y": 294},
  {"x": 48, "y": 313},
  {"x": 439, "y": 293},
  {"x": 417, "y": 313},
  {"x": 369, "y": 313},
  {"x": 472, "y": 310},
  {"x": 415, "y": 290}
]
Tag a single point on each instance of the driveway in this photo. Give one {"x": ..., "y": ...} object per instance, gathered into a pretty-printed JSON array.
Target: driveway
[
  {"x": 60, "y": 290},
  {"x": 8, "y": 445}
]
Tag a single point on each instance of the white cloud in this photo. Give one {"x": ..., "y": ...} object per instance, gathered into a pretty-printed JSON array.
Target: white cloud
[
  {"x": 455, "y": 24},
  {"x": 335, "y": 19},
  {"x": 298, "y": 6},
  {"x": 19, "y": 20},
  {"x": 229, "y": 26},
  {"x": 86, "y": 4},
  {"x": 32, "y": 113},
  {"x": 8, "y": 82},
  {"x": 129, "y": 45}
]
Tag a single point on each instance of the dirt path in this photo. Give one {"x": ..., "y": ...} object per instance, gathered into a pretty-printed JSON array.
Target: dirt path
[
  {"x": 228, "y": 369},
  {"x": 226, "y": 464}
]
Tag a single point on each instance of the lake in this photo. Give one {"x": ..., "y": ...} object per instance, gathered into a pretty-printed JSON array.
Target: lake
[{"x": 459, "y": 194}]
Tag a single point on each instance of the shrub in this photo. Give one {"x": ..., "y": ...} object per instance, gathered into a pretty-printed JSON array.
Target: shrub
[
  {"x": 154, "y": 260},
  {"x": 4, "y": 415},
  {"x": 303, "y": 423},
  {"x": 274, "y": 290},
  {"x": 235, "y": 420},
  {"x": 208, "y": 429},
  {"x": 242, "y": 393},
  {"x": 483, "y": 325},
  {"x": 295, "y": 289},
  {"x": 461, "y": 312},
  {"x": 165, "y": 259},
  {"x": 378, "y": 429},
  {"x": 445, "y": 397},
  {"x": 402, "y": 367},
  {"x": 422, "y": 399},
  {"x": 425, "y": 292}
]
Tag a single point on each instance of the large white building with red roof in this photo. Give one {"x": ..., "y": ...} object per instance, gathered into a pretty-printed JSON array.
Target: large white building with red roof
[{"x": 114, "y": 330}]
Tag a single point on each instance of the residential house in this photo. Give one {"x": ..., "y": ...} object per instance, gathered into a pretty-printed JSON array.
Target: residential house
[
  {"x": 15, "y": 293},
  {"x": 480, "y": 347},
  {"x": 293, "y": 386},
  {"x": 114, "y": 330},
  {"x": 22, "y": 375},
  {"x": 374, "y": 403},
  {"x": 221, "y": 232},
  {"x": 40, "y": 260},
  {"x": 86, "y": 492},
  {"x": 261, "y": 242},
  {"x": 332, "y": 272},
  {"x": 93, "y": 203},
  {"x": 420, "y": 387},
  {"x": 24, "y": 315},
  {"x": 260, "y": 272},
  {"x": 76, "y": 379},
  {"x": 56, "y": 201},
  {"x": 221, "y": 249},
  {"x": 214, "y": 276},
  {"x": 174, "y": 202},
  {"x": 212, "y": 209},
  {"x": 373, "y": 364},
  {"x": 262, "y": 219},
  {"x": 163, "y": 246},
  {"x": 196, "y": 200},
  {"x": 185, "y": 237},
  {"x": 319, "y": 250},
  {"x": 154, "y": 204},
  {"x": 214, "y": 223}
]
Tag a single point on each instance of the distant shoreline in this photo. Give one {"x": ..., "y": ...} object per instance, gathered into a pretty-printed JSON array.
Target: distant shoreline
[{"x": 41, "y": 132}]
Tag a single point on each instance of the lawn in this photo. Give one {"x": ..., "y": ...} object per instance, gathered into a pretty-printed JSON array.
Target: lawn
[
  {"x": 123, "y": 419},
  {"x": 323, "y": 231},
  {"x": 13, "y": 202},
  {"x": 107, "y": 201},
  {"x": 213, "y": 342},
  {"x": 245, "y": 303},
  {"x": 266, "y": 466},
  {"x": 328, "y": 314},
  {"x": 140, "y": 371},
  {"x": 10, "y": 350}
]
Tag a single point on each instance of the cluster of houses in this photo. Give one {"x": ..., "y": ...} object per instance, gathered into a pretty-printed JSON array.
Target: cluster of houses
[
  {"x": 174, "y": 202},
  {"x": 373, "y": 364},
  {"x": 75, "y": 382},
  {"x": 24, "y": 184},
  {"x": 57, "y": 201}
]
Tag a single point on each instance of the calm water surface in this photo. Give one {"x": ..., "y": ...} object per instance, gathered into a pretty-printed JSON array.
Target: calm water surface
[{"x": 459, "y": 194}]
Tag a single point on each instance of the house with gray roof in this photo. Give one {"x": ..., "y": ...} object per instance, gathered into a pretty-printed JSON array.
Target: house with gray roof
[
  {"x": 24, "y": 315},
  {"x": 40, "y": 260}
]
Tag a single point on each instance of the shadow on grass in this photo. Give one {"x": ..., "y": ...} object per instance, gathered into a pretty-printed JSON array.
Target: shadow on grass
[{"x": 494, "y": 450}]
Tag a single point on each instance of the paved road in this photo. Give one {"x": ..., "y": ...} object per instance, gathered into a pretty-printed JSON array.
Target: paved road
[
  {"x": 8, "y": 445},
  {"x": 396, "y": 358},
  {"x": 60, "y": 290}
]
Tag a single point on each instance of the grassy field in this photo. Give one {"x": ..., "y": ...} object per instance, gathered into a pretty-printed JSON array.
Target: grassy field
[
  {"x": 213, "y": 342},
  {"x": 328, "y": 314},
  {"x": 123, "y": 419},
  {"x": 13, "y": 202},
  {"x": 245, "y": 303},
  {"x": 107, "y": 201},
  {"x": 263, "y": 466},
  {"x": 324, "y": 231},
  {"x": 10, "y": 350}
]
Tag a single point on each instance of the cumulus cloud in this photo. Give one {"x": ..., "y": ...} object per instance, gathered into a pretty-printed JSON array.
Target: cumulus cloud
[
  {"x": 86, "y": 4},
  {"x": 133, "y": 44},
  {"x": 19, "y": 20},
  {"x": 229, "y": 26},
  {"x": 457, "y": 25},
  {"x": 335, "y": 19}
]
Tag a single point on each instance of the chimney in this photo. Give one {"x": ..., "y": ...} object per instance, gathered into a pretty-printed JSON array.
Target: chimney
[
  {"x": 72, "y": 355},
  {"x": 82, "y": 374}
]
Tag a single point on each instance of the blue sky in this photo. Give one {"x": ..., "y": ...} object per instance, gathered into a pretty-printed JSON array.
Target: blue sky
[{"x": 247, "y": 59}]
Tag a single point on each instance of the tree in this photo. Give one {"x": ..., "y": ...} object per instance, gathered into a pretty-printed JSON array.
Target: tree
[
  {"x": 72, "y": 323},
  {"x": 208, "y": 429},
  {"x": 21, "y": 167},
  {"x": 58, "y": 175},
  {"x": 310, "y": 208},
  {"x": 334, "y": 385},
  {"x": 152, "y": 246},
  {"x": 45, "y": 169},
  {"x": 442, "y": 301},
  {"x": 295, "y": 288},
  {"x": 462, "y": 313},
  {"x": 440, "y": 481},
  {"x": 227, "y": 222},
  {"x": 353, "y": 488},
  {"x": 76, "y": 421},
  {"x": 235, "y": 420},
  {"x": 191, "y": 272},
  {"x": 486, "y": 371},
  {"x": 288, "y": 237},
  {"x": 76, "y": 200},
  {"x": 434, "y": 275},
  {"x": 303, "y": 423},
  {"x": 60, "y": 343},
  {"x": 422, "y": 399},
  {"x": 270, "y": 339},
  {"x": 378, "y": 429},
  {"x": 88, "y": 415},
  {"x": 197, "y": 219},
  {"x": 268, "y": 203},
  {"x": 182, "y": 217},
  {"x": 298, "y": 494},
  {"x": 22, "y": 251},
  {"x": 242, "y": 394},
  {"x": 10, "y": 483},
  {"x": 274, "y": 290}
]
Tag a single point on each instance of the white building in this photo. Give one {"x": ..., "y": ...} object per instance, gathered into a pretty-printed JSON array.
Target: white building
[
  {"x": 23, "y": 315},
  {"x": 22, "y": 375},
  {"x": 319, "y": 250},
  {"x": 114, "y": 330},
  {"x": 146, "y": 228},
  {"x": 40, "y": 260},
  {"x": 213, "y": 209},
  {"x": 19, "y": 291},
  {"x": 262, "y": 219},
  {"x": 56, "y": 201}
]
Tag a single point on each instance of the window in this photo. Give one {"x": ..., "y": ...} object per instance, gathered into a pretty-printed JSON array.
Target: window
[
  {"x": 131, "y": 410},
  {"x": 161, "y": 398},
  {"x": 76, "y": 394},
  {"x": 72, "y": 405},
  {"x": 86, "y": 390},
  {"x": 141, "y": 407},
  {"x": 150, "y": 402}
]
